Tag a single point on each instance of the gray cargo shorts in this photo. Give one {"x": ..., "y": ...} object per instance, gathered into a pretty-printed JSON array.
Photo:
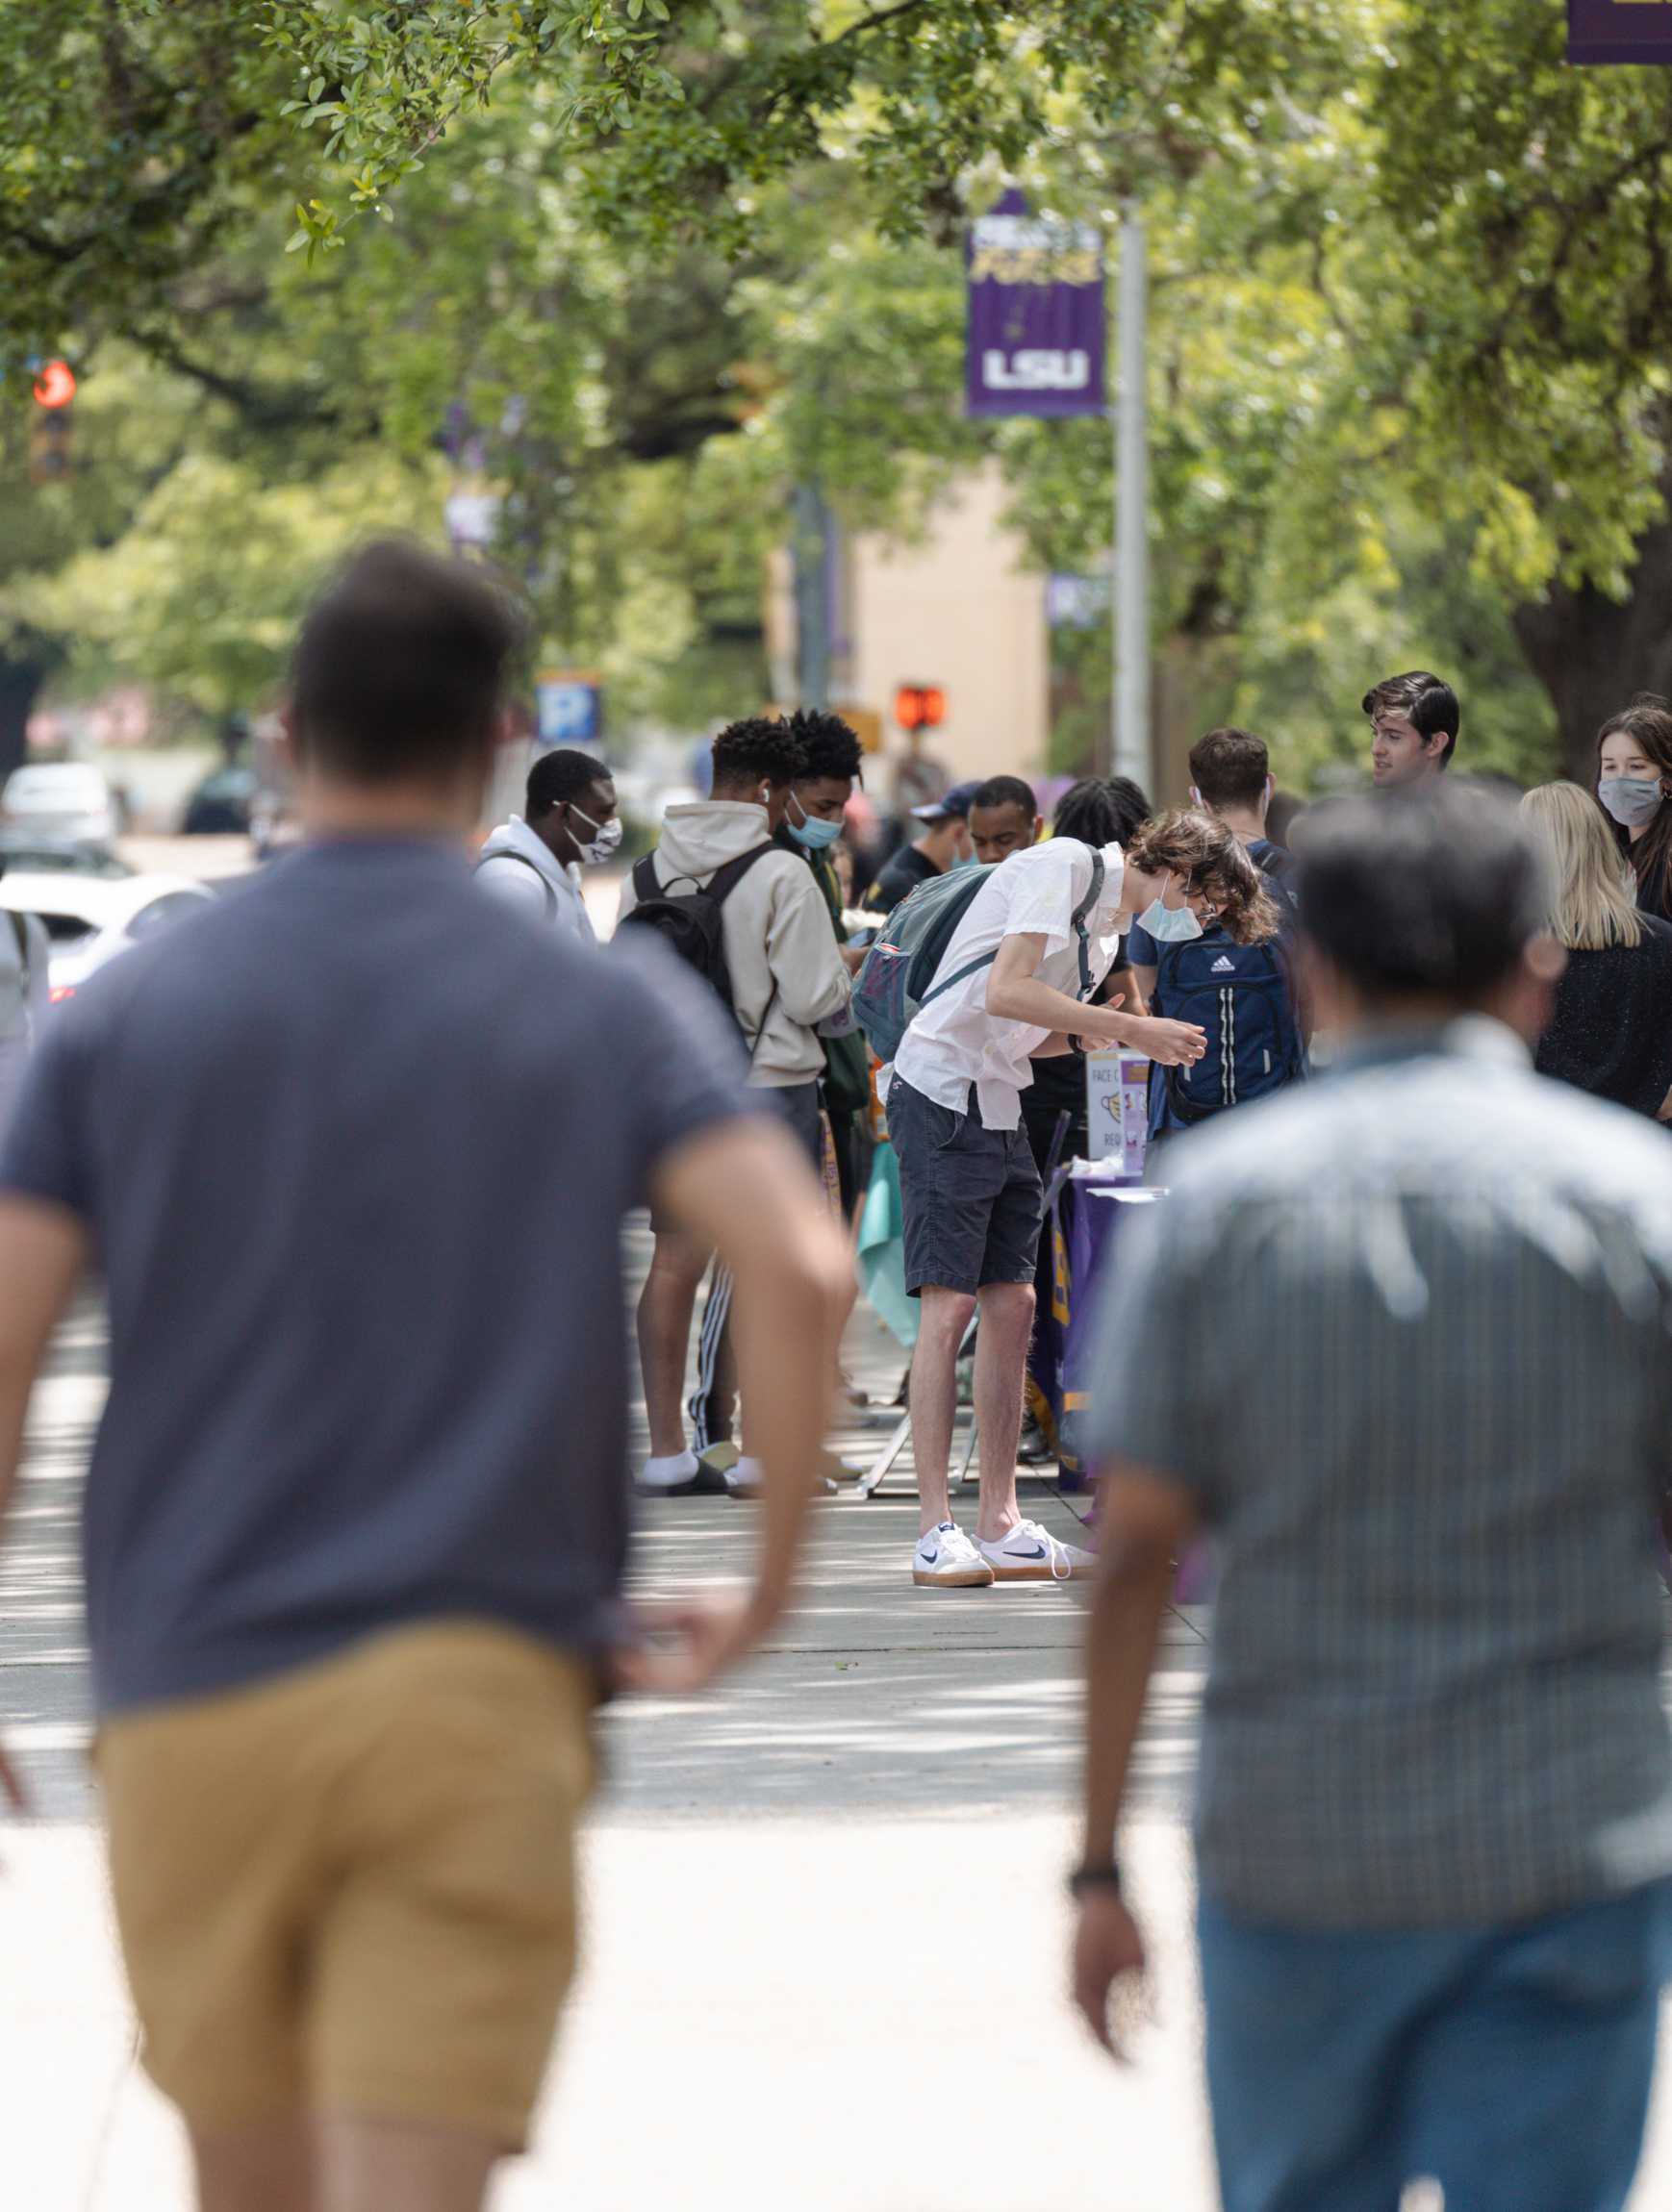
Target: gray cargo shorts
[{"x": 971, "y": 1196}]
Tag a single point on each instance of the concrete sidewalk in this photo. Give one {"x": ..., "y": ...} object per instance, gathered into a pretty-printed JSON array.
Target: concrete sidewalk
[
  {"x": 826, "y": 1939},
  {"x": 825, "y": 1934}
]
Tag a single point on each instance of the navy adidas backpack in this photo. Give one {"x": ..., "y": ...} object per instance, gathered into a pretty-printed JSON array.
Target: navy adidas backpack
[{"x": 1243, "y": 996}]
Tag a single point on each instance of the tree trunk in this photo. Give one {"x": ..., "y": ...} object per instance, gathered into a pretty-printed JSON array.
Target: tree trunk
[
  {"x": 21, "y": 676},
  {"x": 1591, "y": 653}
]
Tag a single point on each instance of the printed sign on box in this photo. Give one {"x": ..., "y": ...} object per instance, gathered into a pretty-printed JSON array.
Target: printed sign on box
[{"x": 1117, "y": 1091}]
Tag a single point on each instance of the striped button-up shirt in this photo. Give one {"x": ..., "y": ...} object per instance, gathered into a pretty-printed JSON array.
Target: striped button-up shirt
[{"x": 1402, "y": 1333}]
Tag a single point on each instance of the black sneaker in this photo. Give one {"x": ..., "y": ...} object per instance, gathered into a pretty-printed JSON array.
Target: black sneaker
[
  {"x": 1035, "y": 1448},
  {"x": 704, "y": 1481}
]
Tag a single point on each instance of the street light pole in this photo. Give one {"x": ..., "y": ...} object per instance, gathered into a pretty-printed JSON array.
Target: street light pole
[
  {"x": 1130, "y": 748},
  {"x": 813, "y": 557}
]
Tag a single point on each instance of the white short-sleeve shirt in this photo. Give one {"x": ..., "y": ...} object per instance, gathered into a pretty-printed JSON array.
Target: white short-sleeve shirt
[{"x": 954, "y": 1041}]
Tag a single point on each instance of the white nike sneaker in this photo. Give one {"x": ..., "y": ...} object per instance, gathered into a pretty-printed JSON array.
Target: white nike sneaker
[
  {"x": 945, "y": 1559},
  {"x": 1030, "y": 1553}
]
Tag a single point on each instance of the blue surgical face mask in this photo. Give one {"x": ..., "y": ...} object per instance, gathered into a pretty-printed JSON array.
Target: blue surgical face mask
[
  {"x": 1632, "y": 800},
  {"x": 969, "y": 861},
  {"x": 813, "y": 835},
  {"x": 1168, "y": 924}
]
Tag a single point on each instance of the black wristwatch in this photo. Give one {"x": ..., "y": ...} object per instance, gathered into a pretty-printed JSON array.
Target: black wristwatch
[{"x": 1101, "y": 1875}]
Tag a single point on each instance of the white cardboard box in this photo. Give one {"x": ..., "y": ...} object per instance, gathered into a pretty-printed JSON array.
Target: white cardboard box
[{"x": 1117, "y": 1086}]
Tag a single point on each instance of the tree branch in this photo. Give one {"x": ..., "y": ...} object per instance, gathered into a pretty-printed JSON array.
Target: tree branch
[
  {"x": 264, "y": 407},
  {"x": 875, "y": 21}
]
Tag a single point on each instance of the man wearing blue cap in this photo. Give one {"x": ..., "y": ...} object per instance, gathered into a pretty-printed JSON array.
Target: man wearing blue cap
[{"x": 942, "y": 843}]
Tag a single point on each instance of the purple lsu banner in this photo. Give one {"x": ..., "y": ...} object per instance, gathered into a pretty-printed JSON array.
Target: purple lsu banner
[
  {"x": 1619, "y": 30},
  {"x": 1036, "y": 313}
]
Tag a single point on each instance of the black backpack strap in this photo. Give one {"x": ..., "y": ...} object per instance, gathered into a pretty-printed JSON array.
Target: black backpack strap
[
  {"x": 754, "y": 1042},
  {"x": 725, "y": 880},
  {"x": 539, "y": 874},
  {"x": 644, "y": 884},
  {"x": 1087, "y": 906},
  {"x": 720, "y": 887},
  {"x": 961, "y": 975}
]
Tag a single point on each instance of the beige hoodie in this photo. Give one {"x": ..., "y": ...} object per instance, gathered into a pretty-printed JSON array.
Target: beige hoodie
[{"x": 776, "y": 928}]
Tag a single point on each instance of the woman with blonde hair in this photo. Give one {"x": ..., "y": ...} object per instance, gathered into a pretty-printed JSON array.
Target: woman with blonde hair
[{"x": 1612, "y": 1031}]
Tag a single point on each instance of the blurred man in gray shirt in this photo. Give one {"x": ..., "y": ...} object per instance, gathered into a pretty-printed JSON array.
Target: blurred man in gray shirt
[{"x": 1399, "y": 1338}]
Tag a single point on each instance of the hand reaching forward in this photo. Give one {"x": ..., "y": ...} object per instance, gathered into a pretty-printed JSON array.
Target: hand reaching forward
[{"x": 1170, "y": 1043}]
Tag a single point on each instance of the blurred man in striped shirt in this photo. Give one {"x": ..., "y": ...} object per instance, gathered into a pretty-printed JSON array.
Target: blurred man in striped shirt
[{"x": 1400, "y": 1338}]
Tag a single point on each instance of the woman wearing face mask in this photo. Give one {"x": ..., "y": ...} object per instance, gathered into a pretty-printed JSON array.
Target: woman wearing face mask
[
  {"x": 1612, "y": 1029},
  {"x": 1634, "y": 781},
  {"x": 572, "y": 821},
  {"x": 1230, "y": 972}
]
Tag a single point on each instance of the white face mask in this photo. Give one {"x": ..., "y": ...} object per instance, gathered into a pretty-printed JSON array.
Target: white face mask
[
  {"x": 606, "y": 837},
  {"x": 1168, "y": 924}
]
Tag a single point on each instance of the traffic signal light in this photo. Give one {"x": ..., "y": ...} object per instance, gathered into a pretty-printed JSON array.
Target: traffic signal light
[
  {"x": 49, "y": 447},
  {"x": 920, "y": 706},
  {"x": 50, "y": 431},
  {"x": 55, "y": 384}
]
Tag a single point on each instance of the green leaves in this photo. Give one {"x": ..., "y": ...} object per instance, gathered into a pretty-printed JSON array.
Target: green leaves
[
  {"x": 1412, "y": 279},
  {"x": 727, "y": 94}
]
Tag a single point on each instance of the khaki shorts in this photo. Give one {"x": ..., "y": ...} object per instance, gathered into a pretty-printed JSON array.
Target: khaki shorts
[{"x": 352, "y": 1887}]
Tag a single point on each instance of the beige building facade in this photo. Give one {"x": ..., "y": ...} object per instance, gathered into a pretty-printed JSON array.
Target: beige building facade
[{"x": 956, "y": 608}]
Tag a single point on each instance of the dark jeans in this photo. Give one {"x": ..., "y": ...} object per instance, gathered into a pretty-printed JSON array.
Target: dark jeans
[
  {"x": 712, "y": 1402},
  {"x": 1510, "y": 2064}
]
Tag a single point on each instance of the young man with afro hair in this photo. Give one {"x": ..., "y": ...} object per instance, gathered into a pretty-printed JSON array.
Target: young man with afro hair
[{"x": 787, "y": 979}]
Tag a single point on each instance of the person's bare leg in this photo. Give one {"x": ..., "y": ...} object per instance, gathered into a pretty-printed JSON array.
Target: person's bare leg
[
  {"x": 402, "y": 2166},
  {"x": 852, "y": 1300},
  {"x": 943, "y": 1318},
  {"x": 1001, "y": 1363},
  {"x": 665, "y": 1308},
  {"x": 265, "y": 2168}
]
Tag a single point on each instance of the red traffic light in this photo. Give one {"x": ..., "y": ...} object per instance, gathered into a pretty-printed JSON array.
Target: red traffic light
[
  {"x": 920, "y": 706},
  {"x": 55, "y": 385}
]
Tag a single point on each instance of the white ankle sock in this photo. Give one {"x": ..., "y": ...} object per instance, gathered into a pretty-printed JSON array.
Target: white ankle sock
[{"x": 667, "y": 1472}]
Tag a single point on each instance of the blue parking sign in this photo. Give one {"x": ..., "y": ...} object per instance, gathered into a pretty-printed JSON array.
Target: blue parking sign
[{"x": 569, "y": 710}]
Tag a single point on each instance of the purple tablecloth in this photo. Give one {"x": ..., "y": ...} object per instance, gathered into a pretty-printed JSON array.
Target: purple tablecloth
[{"x": 1084, "y": 1220}]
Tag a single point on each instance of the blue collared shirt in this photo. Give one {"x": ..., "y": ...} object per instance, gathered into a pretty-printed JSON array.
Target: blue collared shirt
[{"x": 1403, "y": 1334}]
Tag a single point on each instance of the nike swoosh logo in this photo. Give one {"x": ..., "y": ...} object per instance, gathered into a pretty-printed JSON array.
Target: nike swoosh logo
[
  {"x": 928, "y": 1558},
  {"x": 1038, "y": 1552}
]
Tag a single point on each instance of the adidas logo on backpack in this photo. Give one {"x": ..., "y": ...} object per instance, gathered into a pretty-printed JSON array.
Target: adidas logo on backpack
[{"x": 1222, "y": 966}]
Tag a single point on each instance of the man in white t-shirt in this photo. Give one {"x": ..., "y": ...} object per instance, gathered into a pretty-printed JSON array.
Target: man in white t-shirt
[{"x": 1038, "y": 937}]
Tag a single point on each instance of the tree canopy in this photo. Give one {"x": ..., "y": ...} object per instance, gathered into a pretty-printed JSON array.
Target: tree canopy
[
  {"x": 141, "y": 131},
  {"x": 644, "y": 267}
]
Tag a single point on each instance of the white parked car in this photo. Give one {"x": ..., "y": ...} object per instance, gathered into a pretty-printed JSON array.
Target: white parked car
[
  {"x": 88, "y": 918},
  {"x": 60, "y": 799}
]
